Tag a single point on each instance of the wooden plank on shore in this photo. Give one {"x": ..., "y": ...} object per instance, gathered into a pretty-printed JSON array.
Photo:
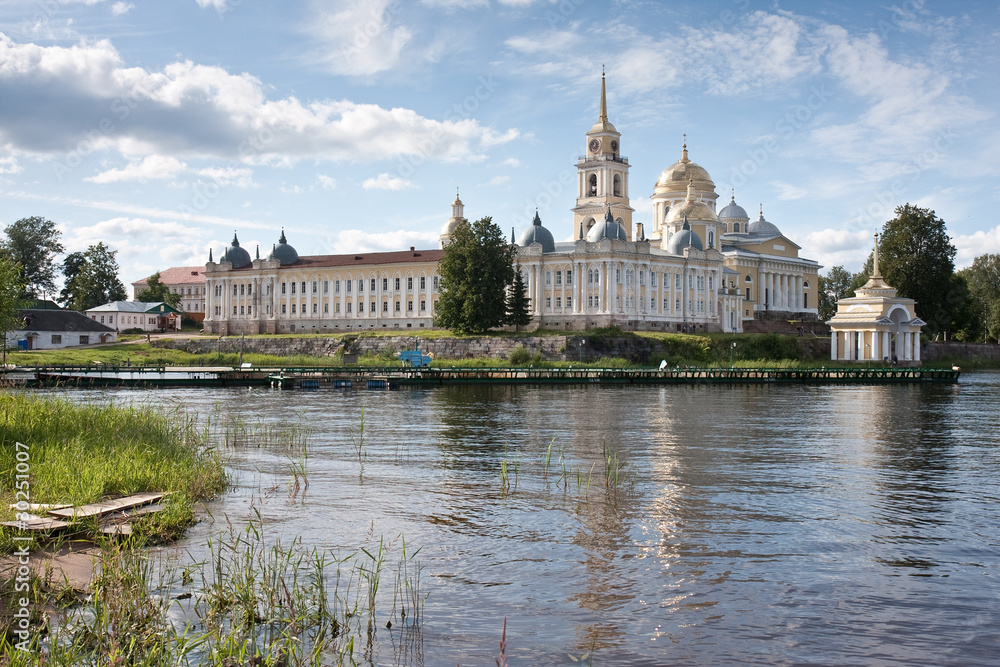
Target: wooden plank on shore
[
  {"x": 107, "y": 507},
  {"x": 117, "y": 529},
  {"x": 37, "y": 523}
]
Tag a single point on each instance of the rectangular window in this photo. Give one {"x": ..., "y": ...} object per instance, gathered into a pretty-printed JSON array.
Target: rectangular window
[
  {"x": 242, "y": 310},
  {"x": 435, "y": 283},
  {"x": 558, "y": 278},
  {"x": 409, "y": 285},
  {"x": 315, "y": 308},
  {"x": 349, "y": 283},
  {"x": 57, "y": 339},
  {"x": 409, "y": 306},
  {"x": 423, "y": 283},
  {"x": 249, "y": 310},
  {"x": 249, "y": 289},
  {"x": 618, "y": 276},
  {"x": 373, "y": 285},
  {"x": 283, "y": 288},
  {"x": 235, "y": 290},
  {"x": 677, "y": 281},
  {"x": 666, "y": 306},
  {"x": 293, "y": 288},
  {"x": 385, "y": 306},
  {"x": 558, "y": 302},
  {"x": 677, "y": 305},
  {"x": 423, "y": 305},
  {"x": 548, "y": 277},
  {"x": 361, "y": 285},
  {"x": 326, "y": 309},
  {"x": 241, "y": 289},
  {"x": 102, "y": 319},
  {"x": 385, "y": 284},
  {"x": 234, "y": 312},
  {"x": 314, "y": 287},
  {"x": 336, "y": 287},
  {"x": 569, "y": 302},
  {"x": 283, "y": 309},
  {"x": 396, "y": 283},
  {"x": 326, "y": 287},
  {"x": 373, "y": 308},
  {"x": 293, "y": 308},
  {"x": 690, "y": 281},
  {"x": 397, "y": 303},
  {"x": 303, "y": 287},
  {"x": 361, "y": 306},
  {"x": 548, "y": 302},
  {"x": 710, "y": 283},
  {"x": 349, "y": 304},
  {"x": 84, "y": 340},
  {"x": 336, "y": 308},
  {"x": 569, "y": 277}
]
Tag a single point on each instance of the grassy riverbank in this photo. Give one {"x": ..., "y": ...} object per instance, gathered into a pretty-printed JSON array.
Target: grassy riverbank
[{"x": 80, "y": 454}]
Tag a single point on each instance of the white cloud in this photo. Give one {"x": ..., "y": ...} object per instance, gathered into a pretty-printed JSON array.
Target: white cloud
[
  {"x": 386, "y": 182},
  {"x": 328, "y": 182},
  {"x": 455, "y": 4},
  {"x": 148, "y": 168},
  {"x": 188, "y": 111},
  {"x": 9, "y": 165},
  {"x": 970, "y": 246},
  {"x": 788, "y": 191},
  {"x": 511, "y": 162},
  {"x": 122, "y": 8},
  {"x": 356, "y": 240},
  {"x": 225, "y": 176},
  {"x": 838, "y": 247},
  {"x": 219, "y": 5},
  {"x": 360, "y": 37},
  {"x": 499, "y": 180}
]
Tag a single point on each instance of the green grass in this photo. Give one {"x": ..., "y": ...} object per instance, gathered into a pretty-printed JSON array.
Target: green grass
[{"x": 85, "y": 453}]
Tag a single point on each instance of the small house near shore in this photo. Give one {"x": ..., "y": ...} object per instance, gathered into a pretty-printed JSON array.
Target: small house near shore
[{"x": 49, "y": 329}]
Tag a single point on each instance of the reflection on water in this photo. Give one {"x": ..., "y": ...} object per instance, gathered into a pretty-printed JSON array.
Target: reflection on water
[{"x": 753, "y": 525}]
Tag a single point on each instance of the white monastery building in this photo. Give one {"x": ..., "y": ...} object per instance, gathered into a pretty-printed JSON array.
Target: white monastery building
[{"x": 695, "y": 269}]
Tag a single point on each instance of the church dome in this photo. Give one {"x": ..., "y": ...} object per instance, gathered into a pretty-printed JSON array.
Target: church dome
[
  {"x": 733, "y": 212},
  {"x": 679, "y": 174},
  {"x": 283, "y": 252},
  {"x": 236, "y": 255},
  {"x": 762, "y": 227},
  {"x": 691, "y": 209},
  {"x": 538, "y": 234},
  {"x": 682, "y": 239},
  {"x": 607, "y": 229}
]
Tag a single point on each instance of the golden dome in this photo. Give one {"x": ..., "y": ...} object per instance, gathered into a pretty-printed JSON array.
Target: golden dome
[
  {"x": 678, "y": 175},
  {"x": 691, "y": 208}
]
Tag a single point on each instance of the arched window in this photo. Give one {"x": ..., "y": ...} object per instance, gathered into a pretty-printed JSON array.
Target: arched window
[
  {"x": 736, "y": 228},
  {"x": 711, "y": 239},
  {"x": 593, "y": 185},
  {"x": 618, "y": 185}
]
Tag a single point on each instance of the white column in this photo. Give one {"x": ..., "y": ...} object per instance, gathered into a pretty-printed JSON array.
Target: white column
[
  {"x": 876, "y": 355},
  {"x": 916, "y": 346},
  {"x": 833, "y": 345},
  {"x": 783, "y": 281},
  {"x": 885, "y": 344}
]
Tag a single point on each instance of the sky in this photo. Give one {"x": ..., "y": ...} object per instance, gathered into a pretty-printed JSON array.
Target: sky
[{"x": 163, "y": 128}]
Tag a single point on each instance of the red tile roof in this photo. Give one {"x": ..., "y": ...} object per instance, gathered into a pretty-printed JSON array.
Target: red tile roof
[
  {"x": 178, "y": 275},
  {"x": 360, "y": 259}
]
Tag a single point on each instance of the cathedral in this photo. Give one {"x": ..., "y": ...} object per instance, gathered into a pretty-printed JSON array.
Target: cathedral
[{"x": 693, "y": 270}]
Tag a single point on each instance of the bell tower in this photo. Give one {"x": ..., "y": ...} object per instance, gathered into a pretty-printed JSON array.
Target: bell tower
[{"x": 602, "y": 175}]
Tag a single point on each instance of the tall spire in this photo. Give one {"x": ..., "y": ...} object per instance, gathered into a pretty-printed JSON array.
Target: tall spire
[
  {"x": 604, "y": 99},
  {"x": 684, "y": 149},
  {"x": 875, "y": 272},
  {"x": 209, "y": 254}
]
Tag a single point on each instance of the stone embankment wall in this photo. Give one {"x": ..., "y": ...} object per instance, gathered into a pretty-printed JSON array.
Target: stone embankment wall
[
  {"x": 578, "y": 347},
  {"x": 937, "y": 351}
]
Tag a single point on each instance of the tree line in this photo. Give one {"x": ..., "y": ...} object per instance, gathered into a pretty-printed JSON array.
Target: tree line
[{"x": 917, "y": 257}]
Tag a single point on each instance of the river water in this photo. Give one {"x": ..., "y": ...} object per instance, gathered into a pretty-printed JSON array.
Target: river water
[{"x": 819, "y": 525}]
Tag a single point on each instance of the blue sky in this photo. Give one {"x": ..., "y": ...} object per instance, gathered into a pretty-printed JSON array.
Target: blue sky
[{"x": 162, "y": 127}]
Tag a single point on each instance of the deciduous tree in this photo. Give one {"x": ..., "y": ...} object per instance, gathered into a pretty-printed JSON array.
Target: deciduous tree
[
  {"x": 34, "y": 243},
  {"x": 917, "y": 257},
  {"x": 477, "y": 267},
  {"x": 157, "y": 291},
  {"x": 11, "y": 301},
  {"x": 94, "y": 278},
  {"x": 983, "y": 278},
  {"x": 832, "y": 288}
]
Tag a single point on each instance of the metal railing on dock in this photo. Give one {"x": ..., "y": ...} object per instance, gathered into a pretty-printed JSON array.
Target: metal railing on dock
[{"x": 391, "y": 376}]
